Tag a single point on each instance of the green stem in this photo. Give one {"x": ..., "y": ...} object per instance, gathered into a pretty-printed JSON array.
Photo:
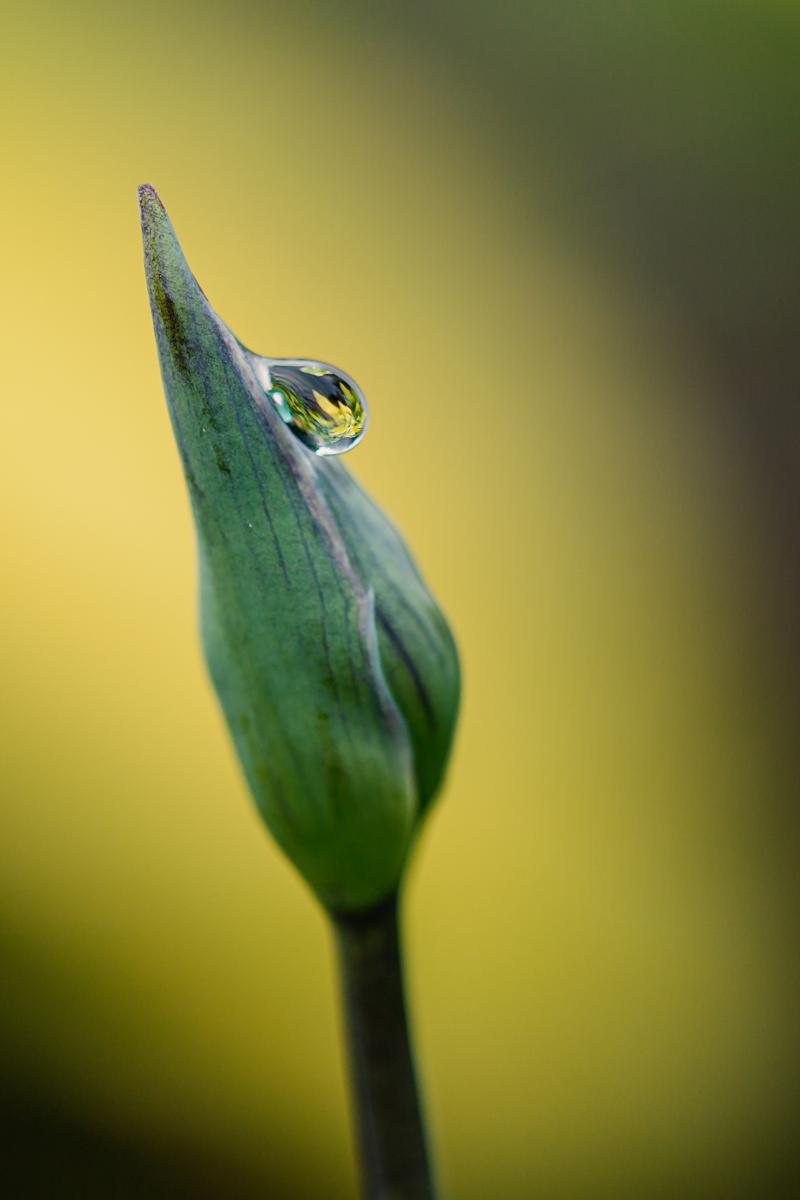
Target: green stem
[{"x": 386, "y": 1108}]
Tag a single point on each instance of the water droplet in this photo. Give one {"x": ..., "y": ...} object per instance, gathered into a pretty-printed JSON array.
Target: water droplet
[{"x": 324, "y": 407}]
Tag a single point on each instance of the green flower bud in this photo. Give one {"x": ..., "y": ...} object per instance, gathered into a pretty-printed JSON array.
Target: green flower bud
[{"x": 334, "y": 666}]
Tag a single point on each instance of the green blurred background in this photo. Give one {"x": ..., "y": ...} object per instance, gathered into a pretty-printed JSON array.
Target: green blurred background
[{"x": 556, "y": 243}]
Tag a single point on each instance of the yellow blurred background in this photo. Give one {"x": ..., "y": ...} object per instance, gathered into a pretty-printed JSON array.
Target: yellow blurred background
[{"x": 556, "y": 245}]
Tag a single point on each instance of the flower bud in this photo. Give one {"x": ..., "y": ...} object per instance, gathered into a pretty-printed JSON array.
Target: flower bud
[{"x": 334, "y": 666}]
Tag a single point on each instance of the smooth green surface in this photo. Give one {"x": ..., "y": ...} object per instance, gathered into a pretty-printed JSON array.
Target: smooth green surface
[
  {"x": 334, "y": 667},
  {"x": 392, "y": 1141}
]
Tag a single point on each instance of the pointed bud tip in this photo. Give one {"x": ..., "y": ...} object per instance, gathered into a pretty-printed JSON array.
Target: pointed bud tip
[
  {"x": 152, "y": 214},
  {"x": 163, "y": 255},
  {"x": 148, "y": 195}
]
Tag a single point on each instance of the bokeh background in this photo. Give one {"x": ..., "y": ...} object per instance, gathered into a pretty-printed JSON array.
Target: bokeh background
[{"x": 556, "y": 242}]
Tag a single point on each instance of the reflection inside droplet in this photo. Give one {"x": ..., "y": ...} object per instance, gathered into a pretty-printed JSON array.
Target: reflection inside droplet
[{"x": 321, "y": 405}]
